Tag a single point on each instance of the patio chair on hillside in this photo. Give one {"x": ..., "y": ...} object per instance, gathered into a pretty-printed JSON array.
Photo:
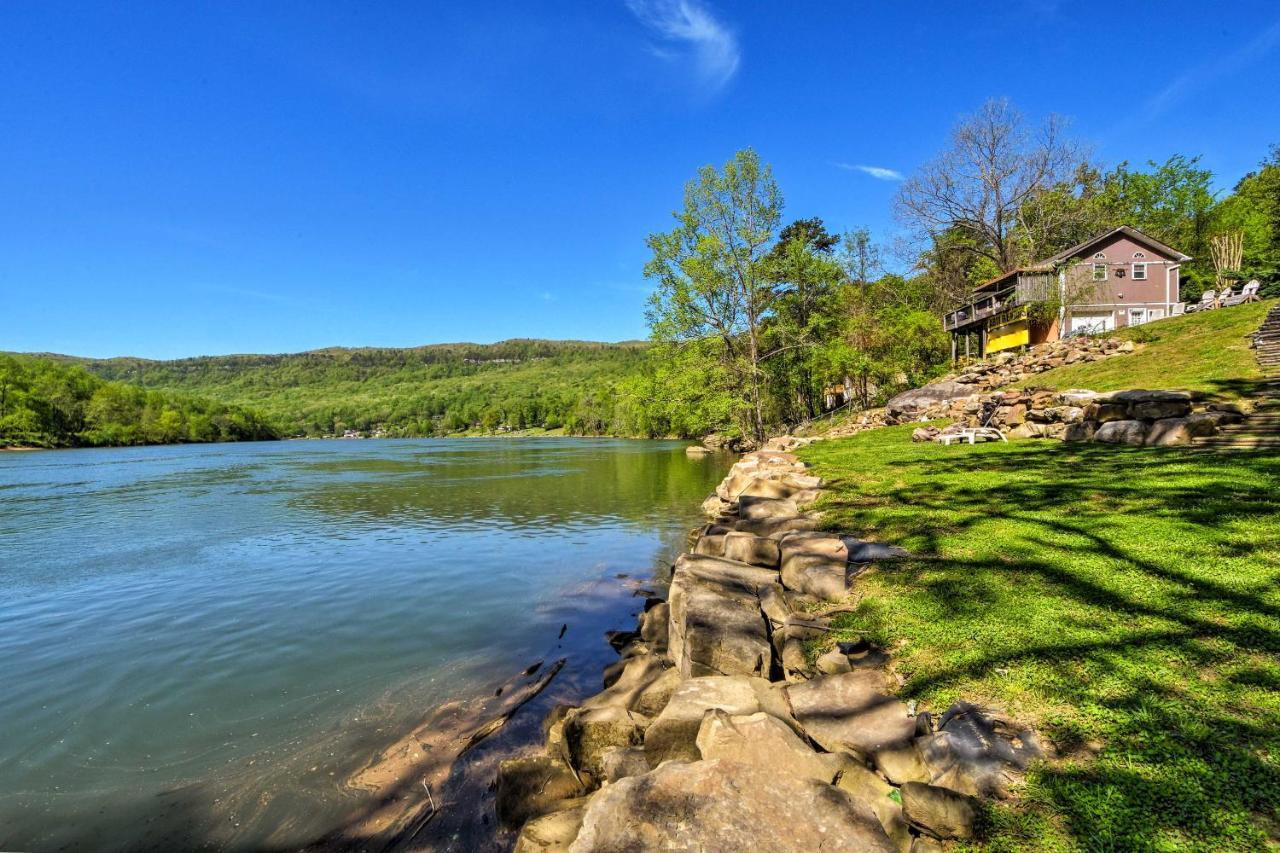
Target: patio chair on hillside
[
  {"x": 1208, "y": 299},
  {"x": 985, "y": 432},
  {"x": 1248, "y": 293}
]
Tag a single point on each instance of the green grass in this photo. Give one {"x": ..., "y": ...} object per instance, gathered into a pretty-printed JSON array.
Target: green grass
[
  {"x": 1203, "y": 352},
  {"x": 1125, "y": 601}
]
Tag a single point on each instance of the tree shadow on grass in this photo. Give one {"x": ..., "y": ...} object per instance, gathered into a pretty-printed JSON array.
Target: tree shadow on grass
[{"x": 1150, "y": 576}]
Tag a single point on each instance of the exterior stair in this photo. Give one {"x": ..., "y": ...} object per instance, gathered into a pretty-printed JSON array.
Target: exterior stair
[
  {"x": 1259, "y": 431},
  {"x": 1266, "y": 343}
]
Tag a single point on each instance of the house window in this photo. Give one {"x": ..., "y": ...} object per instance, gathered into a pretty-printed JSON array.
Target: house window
[
  {"x": 1099, "y": 272},
  {"x": 1100, "y": 257},
  {"x": 1139, "y": 271},
  {"x": 1139, "y": 256},
  {"x": 1137, "y": 316}
]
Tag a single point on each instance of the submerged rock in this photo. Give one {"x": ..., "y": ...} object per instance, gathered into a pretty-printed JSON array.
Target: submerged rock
[{"x": 532, "y": 786}]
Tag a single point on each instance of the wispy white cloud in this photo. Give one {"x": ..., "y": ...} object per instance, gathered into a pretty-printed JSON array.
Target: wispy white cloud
[
  {"x": 689, "y": 30},
  {"x": 880, "y": 173},
  {"x": 1201, "y": 76}
]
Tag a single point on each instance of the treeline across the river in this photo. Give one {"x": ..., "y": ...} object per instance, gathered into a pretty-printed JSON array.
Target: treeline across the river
[
  {"x": 571, "y": 387},
  {"x": 50, "y": 403}
]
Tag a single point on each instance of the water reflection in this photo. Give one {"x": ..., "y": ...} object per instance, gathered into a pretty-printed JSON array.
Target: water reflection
[{"x": 206, "y": 638}]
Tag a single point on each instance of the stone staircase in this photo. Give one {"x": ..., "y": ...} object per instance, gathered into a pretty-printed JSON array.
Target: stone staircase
[
  {"x": 1260, "y": 430},
  {"x": 1266, "y": 343}
]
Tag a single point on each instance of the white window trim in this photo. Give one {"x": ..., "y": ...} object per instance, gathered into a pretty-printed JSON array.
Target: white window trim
[
  {"x": 1140, "y": 255},
  {"x": 1099, "y": 268},
  {"x": 1137, "y": 277}
]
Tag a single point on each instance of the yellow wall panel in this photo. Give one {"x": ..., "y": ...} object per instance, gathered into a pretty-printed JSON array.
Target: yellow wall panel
[{"x": 1016, "y": 334}]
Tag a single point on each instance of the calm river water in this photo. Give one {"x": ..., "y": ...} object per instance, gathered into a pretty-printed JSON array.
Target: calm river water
[{"x": 197, "y": 643}]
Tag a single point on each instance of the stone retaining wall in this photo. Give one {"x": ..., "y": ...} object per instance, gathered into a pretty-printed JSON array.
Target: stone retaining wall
[
  {"x": 715, "y": 730},
  {"x": 1123, "y": 417}
]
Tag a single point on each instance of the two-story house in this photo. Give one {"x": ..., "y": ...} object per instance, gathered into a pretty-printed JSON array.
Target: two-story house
[{"x": 1120, "y": 278}]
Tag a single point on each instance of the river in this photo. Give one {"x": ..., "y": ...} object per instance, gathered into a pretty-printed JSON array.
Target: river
[{"x": 199, "y": 644}]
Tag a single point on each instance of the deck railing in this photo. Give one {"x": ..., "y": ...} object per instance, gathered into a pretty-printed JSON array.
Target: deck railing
[{"x": 1033, "y": 287}]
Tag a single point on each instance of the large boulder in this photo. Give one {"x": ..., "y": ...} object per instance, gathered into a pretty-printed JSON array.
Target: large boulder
[
  {"x": 939, "y": 812},
  {"x": 721, "y": 805},
  {"x": 868, "y": 788},
  {"x": 552, "y": 833},
  {"x": 1201, "y": 424},
  {"x": 674, "y": 734},
  {"x": 919, "y": 400},
  {"x": 853, "y": 711},
  {"x": 816, "y": 564},
  {"x": 1102, "y": 412},
  {"x": 1168, "y": 432},
  {"x": 1154, "y": 405},
  {"x": 590, "y": 732},
  {"x": 977, "y": 752},
  {"x": 716, "y": 625},
  {"x": 753, "y": 550},
  {"x": 766, "y": 509},
  {"x": 654, "y": 625},
  {"x": 1122, "y": 432},
  {"x": 763, "y": 741},
  {"x": 533, "y": 785},
  {"x": 644, "y": 685},
  {"x": 1081, "y": 431}
]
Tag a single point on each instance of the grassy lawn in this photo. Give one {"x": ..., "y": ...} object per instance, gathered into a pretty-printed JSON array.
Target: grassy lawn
[
  {"x": 1126, "y": 601},
  {"x": 1205, "y": 352}
]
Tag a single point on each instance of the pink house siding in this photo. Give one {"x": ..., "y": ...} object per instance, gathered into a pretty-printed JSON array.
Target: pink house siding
[{"x": 1120, "y": 295}]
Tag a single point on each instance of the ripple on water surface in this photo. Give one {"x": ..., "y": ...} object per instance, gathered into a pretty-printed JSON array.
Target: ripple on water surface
[{"x": 208, "y": 638}]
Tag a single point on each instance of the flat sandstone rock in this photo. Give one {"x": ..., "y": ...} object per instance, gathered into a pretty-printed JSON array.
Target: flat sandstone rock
[
  {"x": 715, "y": 806},
  {"x": 852, "y": 711}
]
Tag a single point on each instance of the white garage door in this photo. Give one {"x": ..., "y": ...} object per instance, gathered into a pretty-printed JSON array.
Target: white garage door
[{"x": 1092, "y": 323}]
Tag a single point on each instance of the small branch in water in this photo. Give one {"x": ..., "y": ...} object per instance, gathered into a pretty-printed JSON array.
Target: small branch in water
[{"x": 430, "y": 799}]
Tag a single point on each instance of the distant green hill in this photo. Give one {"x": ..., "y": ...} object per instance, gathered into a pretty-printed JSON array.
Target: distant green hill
[
  {"x": 47, "y": 402},
  {"x": 431, "y": 390}
]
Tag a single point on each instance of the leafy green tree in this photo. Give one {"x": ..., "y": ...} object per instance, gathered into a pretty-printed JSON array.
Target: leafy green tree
[
  {"x": 712, "y": 279},
  {"x": 806, "y": 278}
]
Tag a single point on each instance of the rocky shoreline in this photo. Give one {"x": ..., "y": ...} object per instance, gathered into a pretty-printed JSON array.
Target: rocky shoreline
[{"x": 731, "y": 722}]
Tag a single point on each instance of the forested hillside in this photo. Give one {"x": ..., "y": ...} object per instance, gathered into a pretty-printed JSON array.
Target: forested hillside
[
  {"x": 47, "y": 403},
  {"x": 421, "y": 391}
]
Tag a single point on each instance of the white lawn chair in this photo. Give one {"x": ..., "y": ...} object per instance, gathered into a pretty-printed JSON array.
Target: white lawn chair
[
  {"x": 1208, "y": 299},
  {"x": 1248, "y": 293},
  {"x": 971, "y": 435}
]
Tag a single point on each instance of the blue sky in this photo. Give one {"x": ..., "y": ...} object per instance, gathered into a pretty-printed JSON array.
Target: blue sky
[{"x": 191, "y": 178}]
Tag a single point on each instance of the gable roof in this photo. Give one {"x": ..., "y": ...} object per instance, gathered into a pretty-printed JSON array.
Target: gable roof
[{"x": 1132, "y": 233}]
